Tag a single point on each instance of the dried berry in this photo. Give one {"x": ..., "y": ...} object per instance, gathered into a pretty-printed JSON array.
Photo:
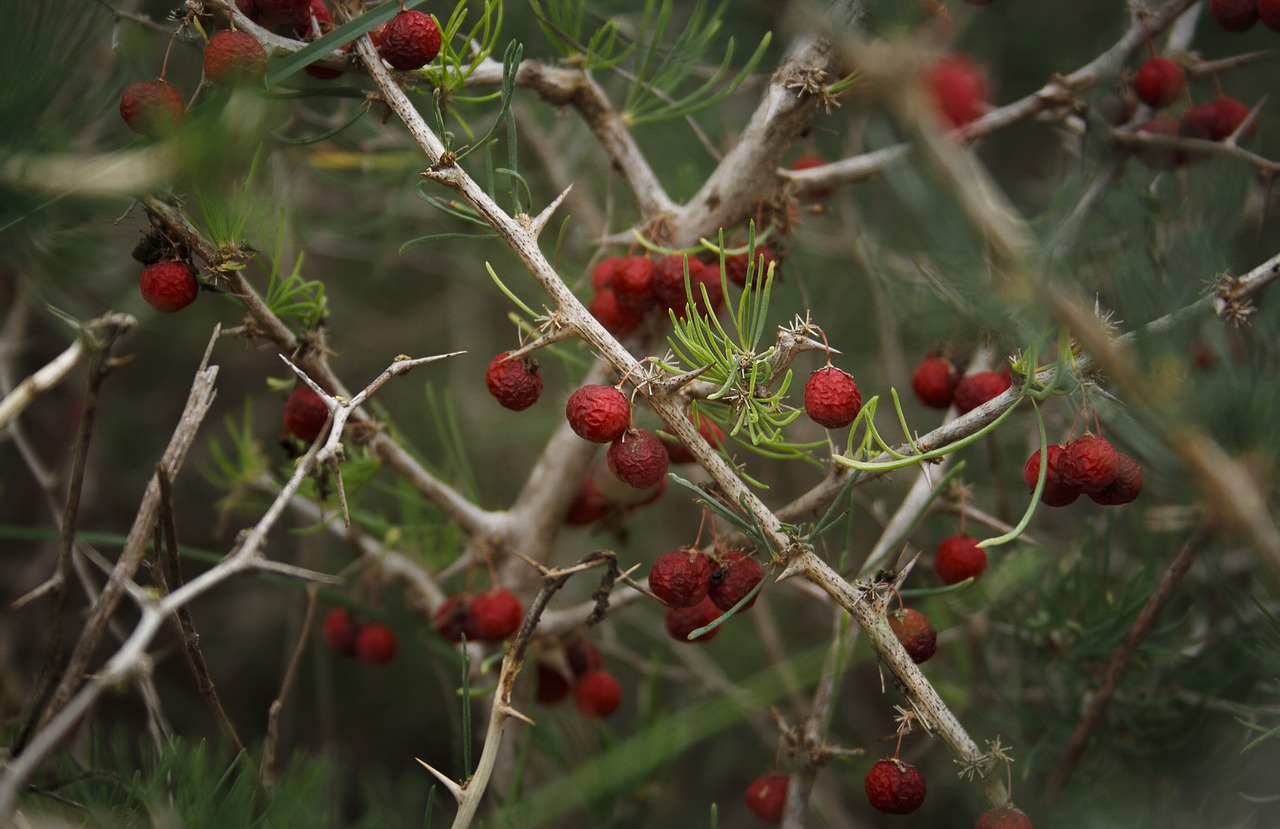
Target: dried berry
[
  {"x": 737, "y": 575},
  {"x": 496, "y": 614},
  {"x": 1089, "y": 463},
  {"x": 233, "y": 58},
  {"x": 669, "y": 285},
  {"x": 682, "y": 621},
  {"x": 831, "y": 397},
  {"x": 515, "y": 383},
  {"x": 376, "y": 643},
  {"x": 975, "y": 389},
  {"x": 597, "y": 694},
  {"x": 895, "y": 787},
  {"x": 410, "y": 41},
  {"x": 915, "y": 633},
  {"x": 638, "y": 458},
  {"x": 1126, "y": 487},
  {"x": 152, "y": 108},
  {"x": 681, "y": 578},
  {"x": 632, "y": 284},
  {"x": 340, "y": 632},
  {"x": 169, "y": 286},
  {"x": 305, "y": 413},
  {"x": 934, "y": 382},
  {"x": 1056, "y": 493},
  {"x": 617, "y": 320},
  {"x": 1159, "y": 82},
  {"x": 958, "y": 558},
  {"x": 598, "y": 413},
  {"x": 1006, "y": 817},
  {"x": 767, "y": 795}
]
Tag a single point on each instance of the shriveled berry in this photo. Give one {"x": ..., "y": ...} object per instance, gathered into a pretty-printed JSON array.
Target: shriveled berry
[
  {"x": 1089, "y": 463},
  {"x": 959, "y": 557},
  {"x": 767, "y": 795},
  {"x": 958, "y": 87},
  {"x": 340, "y": 631},
  {"x": 677, "y": 452},
  {"x": 632, "y": 284},
  {"x": 759, "y": 260},
  {"x": 376, "y": 643},
  {"x": 934, "y": 382},
  {"x": 975, "y": 389},
  {"x": 515, "y": 383},
  {"x": 553, "y": 688},
  {"x": 669, "y": 285},
  {"x": 597, "y": 694},
  {"x": 604, "y": 271},
  {"x": 915, "y": 633},
  {"x": 305, "y": 413},
  {"x": 582, "y": 656},
  {"x": 169, "y": 286},
  {"x": 617, "y": 320},
  {"x": 1159, "y": 82},
  {"x": 452, "y": 619},
  {"x": 895, "y": 787},
  {"x": 737, "y": 575},
  {"x": 681, "y": 578},
  {"x": 831, "y": 397},
  {"x": 638, "y": 458},
  {"x": 1126, "y": 487},
  {"x": 496, "y": 614},
  {"x": 1235, "y": 15},
  {"x": 682, "y": 621},
  {"x": 410, "y": 41},
  {"x": 233, "y": 58},
  {"x": 598, "y": 413},
  {"x": 1006, "y": 817},
  {"x": 1055, "y": 493},
  {"x": 152, "y": 108}
]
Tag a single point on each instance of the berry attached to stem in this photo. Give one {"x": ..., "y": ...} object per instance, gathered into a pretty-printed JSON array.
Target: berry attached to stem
[
  {"x": 169, "y": 286},
  {"x": 958, "y": 558},
  {"x": 831, "y": 397},
  {"x": 895, "y": 787},
  {"x": 767, "y": 796}
]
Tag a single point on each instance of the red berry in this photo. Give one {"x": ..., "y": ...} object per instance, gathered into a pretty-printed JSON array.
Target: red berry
[
  {"x": 603, "y": 273},
  {"x": 598, "y": 413},
  {"x": 453, "y": 619},
  {"x": 831, "y": 397},
  {"x": 1055, "y": 493},
  {"x": 638, "y": 458},
  {"x": 1126, "y": 486},
  {"x": 169, "y": 286},
  {"x": 410, "y": 41},
  {"x": 1159, "y": 82},
  {"x": 249, "y": 8},
  {"x": 324, "y": 20},
  {"x": 1269, "y": 14},
  {"x": 677, "y": 452},
  {"x": 681, "y": 621},
  {"x": 234, "y": 58},
  {"x": 895, "y": 787},
  {"x": 1006, "y": 817},
  {"x": 582, "y": 656},
  {"x": 376, "y": 643},
  {"x": 958, "y": 87},
  {"x": 1235, "y": 15},
  {"x": 669, "y": 285},
  {"x": 681, "y": 578},
  {"x": 1089, "y": 463},
  {"x": 305, "y": 413},
  {"x": 553, "y": 688},
  {"x": 617, "y": 320},
  {"x": 516, "y": 383},
  {"x": 737, "y": 575},
  {"x": 152, "y": 108},
  {"x": 1229, "y": 114},
  {"x": 915, "y": 633},
  {"x": 975, "y": 389},
  {"x": 767, "y": 795},
  {"x": 597, "y": 694},
  {"x": 958, "y": 558},
  {"x": 588, "y": 506},
  {"x": 496, "y": 614},
  {"x": 284, "y": 14},
  {"x": 340, "y": 631},
  {"x": 632, "y": 284},
  {"x": 735, "y": 267},
  {"x": 934, "y": 382}
]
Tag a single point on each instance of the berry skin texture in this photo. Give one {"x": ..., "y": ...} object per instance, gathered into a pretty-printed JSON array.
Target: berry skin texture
[
  {"x": 305, "y": 413},
  {"x": 681, "y": 621},
  {"x": 515, "y": 384},
  {"x": 975, "y": 389},
  {"x": 1269, "y": 14},
  {"x": 169, "y": 286},
  {"x": 1126, "y": 487},
  {"x": 598, "y": 413},
  {"x": 895, "y": 787},
  {"x": 831, "y": 398},
  {"x": 958, "y": 558},
  {"x": 934, "y": 382},
  {"x": 616, "y": 319},
  {"x": 632, "y": 284},
  {"x": 958, "y": 88},
  {"x": 597, "y": 694},
  {"x": 681, "y": 578},
  {"x": 376, "y": 644},
  {"x": 638, "y": 458},
  {"x": 1055, "y": 493},
  {"x": 452, "y": 619},
  {"x": 915, "y": 633},
  {"x": 1089, "y": 463},
  {"x": 152, "y": 108},
  {"x": 1159, "y": 82},
  {"x": 340, "y": 632},
  {"x": 1006, "y": 817},
  {"x": 737, "y": 576},
  {"x": 1235, "y": 15},
  {"x": 233, "y": 58},
  {"x": 496, "y": 614},
  {"x": 766, "y": 797},
  {"x": 410, "y": 41}
]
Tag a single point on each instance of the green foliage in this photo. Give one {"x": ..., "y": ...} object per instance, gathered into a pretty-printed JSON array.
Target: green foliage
[{"x": 562, "y": 23}]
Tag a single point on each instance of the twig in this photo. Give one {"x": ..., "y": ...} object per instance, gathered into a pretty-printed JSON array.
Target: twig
[{"x": 272, "y": 738}]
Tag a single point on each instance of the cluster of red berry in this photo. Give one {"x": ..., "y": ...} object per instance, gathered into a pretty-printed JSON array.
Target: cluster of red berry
[
  {"x": 371, "y": 642},
  {"x": 596, "y": 692},
  {"x": 492, "y": 616},
  {"x": 697, "y": 588},
  {"x": 1242, "y": 15},
  {"x": 168, "y": 282},
  {"x": 937, "y": 383},
  {"x": 1088, "y": 465}
]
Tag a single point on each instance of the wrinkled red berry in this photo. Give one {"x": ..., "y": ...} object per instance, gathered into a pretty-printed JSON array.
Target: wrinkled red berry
[
  {"x": 934, "y": 382},
  {"x": 305, "y": 413},
  {"x": 895, "y": 787},
  {"x": 958, "y": 558},
  {"x": 735, "y": 267},
  {"x": 682, "y": 621},
  {"x": 597, "y": 694},
  {"x": 410, "y": 40},
  {"x": 915, "y": 633},
  {"x": 1055, "y": 493},
  {"x": 831, "y": 397},
  {"x": 1006, "y": 817},
  {"x": 152, "y": 108},
  {"x": 1126, "y": 487},
  {"x": 598, "y": 413},
  {"x": 496, "y": 614},
  {"x": 681, "y": 578},
  {"x": 975, "y": 389},
  {"x": 638, "y": 458},
  {"x": 632, "y": 284},
  {"x": 737, "y": 575},
  {"x": 617, "y": 320},
  {"x": 515, "y": 383},
  {"x": 767, "y": 795},
  {"x": 669, "y": 284},
  {"x": 169, "y": 286},
  {"x": 1089, "y": 463},
  {"x": 234, "y": 58}
]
